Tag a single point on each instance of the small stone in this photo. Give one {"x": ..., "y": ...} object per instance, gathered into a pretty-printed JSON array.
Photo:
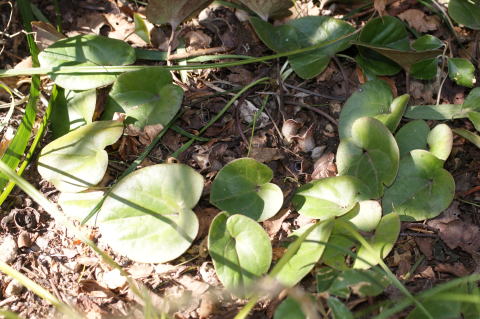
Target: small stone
[
  {"x": 14, "y": 288},
  {"x": 329, "y": 128},
  {"x": 8, "y": 250}
]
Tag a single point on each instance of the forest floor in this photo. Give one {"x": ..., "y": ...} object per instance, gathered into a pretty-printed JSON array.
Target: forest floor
[{"x": 425, "y": 254}]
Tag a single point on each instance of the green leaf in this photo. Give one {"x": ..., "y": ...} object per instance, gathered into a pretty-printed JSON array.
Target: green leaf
[
  {"x": 382, "y": 32},
  {"x": 86, "y": 50},
  {"x": 147, "y": 96},
  {"x": 74, "y": 109},
  {"x": 77, "y": 160},
  {"x": 307, "y": 255},
  {"x": 148, "y": 215},
  {"x": 382, "y": 242},
  {"x": 412, "y": 136},
  {"x": 475, "y": 118},
  {"x": 373, "y": 99},
  {"x": 268, "y": 8},
  {"x": 438, "y": 307},
  {"x": 79, "y": 205},
  {"x": 173, "y": 12},
  {"x": 461, "y": 71},
  {"x": 427, "y": 42},
  {"x": 422, "y": 189},
  {"x": 339, "y": 310},
  {"x": 289, "y": 309},
  {"x": 371, "y": 154},
  {"x": 338, "y": 244},
  {"x": 240, "y": 250},
  {"x": 365, "y": 216},
  {"x": 469, "y": 136},
  {"x": 466, "y": 12},
  {"x": 141, "y": 28},
  {"x": 362, "y": 282},
  {"x": 425, "y": 69},
  {"x": 302, "y": 33},
  {"x": 440, "y": 140},
  {"x": 329, "y": 197},
  {"x": 242, "y": 187}
]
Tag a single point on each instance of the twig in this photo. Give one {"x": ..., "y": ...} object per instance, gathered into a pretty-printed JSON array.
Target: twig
[
  {"x": 316, "y": 110},
  {"x": 338, "y": 98}
]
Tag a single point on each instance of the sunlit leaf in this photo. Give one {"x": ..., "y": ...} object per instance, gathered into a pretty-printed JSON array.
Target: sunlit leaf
[
  {"x": 242, "y": 187},
  {"x": 141, "y": 28},
  {"x": 440, "y": 141},
  {"x": 86, "y": 50},
  {"x": 77, "y": 160},
  {"x": 371, "y": 154},
  {"x": 148, "y": 215},
  {"x": 461, "y": 71},
  {"x": 472, "y": 137},
  {"x": 173, "y": 12},
  {"x": 79, "y": 205},
  {"x": 302, "y": 33},
  {"x": 240, "y": 250},
  {"x": 147, "y": 96},
  {"x": 365, "y": 216},
  {"x": 329, "y": 197}
]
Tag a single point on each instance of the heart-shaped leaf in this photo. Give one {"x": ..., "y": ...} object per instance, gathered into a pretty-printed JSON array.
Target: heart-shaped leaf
[
  {"x": 302, "y": 33},
  {"x": 289, "y": 309},
  {"x": 382, "y": 32},
  {"x": 173, "y": 12},
  {"x": 329, "y": 197},
  {"x": 77, "y": 160},
  {"x": 422, "y": 189},
  {"x": 382, "y": 242},
  {"x": 79, "y": 205},
  {"x": 440, "y": 141},
  {"x": 446, "y": 111},
  {"x": 365, "y": 216},
  {"x": 267, "y": 8},
  {"x": 242, "y": 187},
  {"x": 72, "y": 110},
  {"x": 307, "y": 255},
  {"x": 466, "y": 12},
  {"x": 373, "y": 99},
  {"x": 240, "y": 250},
  {"x": 412, "y": 136},
  {"x": 86, "y": 50},
  {"x": 461, "y": 71},
  {"x": 147, "y": 96},
  {"x": 371, "y": 154},
  {"x": 148, "y": 215}
]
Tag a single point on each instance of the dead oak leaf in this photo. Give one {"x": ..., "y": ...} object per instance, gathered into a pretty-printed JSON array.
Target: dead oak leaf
[{"x": 418, "y": 20}]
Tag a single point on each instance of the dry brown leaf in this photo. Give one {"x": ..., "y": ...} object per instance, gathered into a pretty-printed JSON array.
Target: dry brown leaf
[
  {"x": 173, "y": 12},
  {"x": 94, "y": 289},
  {"x": 425, "y": 245},
  {"x": 418, "y": 20},
  {"x": 305, "y": 141},
  {"x": 197, "y": 40},
  {"x": 457, "y": 269},
  {"x": 289, "y": 129},
  {"x": 6, "y": 140},
  {"x": 380, "y": 6},
  {"x": 324, "y": 167},
  {"x": 45, "y": 34},
  {"x": 205, "y": 217},
  {"x": 266, "y": 154},
  {"x": 273, "y": 225}
]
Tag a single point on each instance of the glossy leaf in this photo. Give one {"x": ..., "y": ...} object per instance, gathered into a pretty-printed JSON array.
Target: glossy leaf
[
  {"x": 148, "y": 215},
  {"x": 147, "y": 96},
  {"x": 373, "y": 99},
  {"x": 76, "y": 108},
  {"x": 371, "y": 154},
  {"x": 383, "y": 32},
  {"x": 382, "y": 242},
  {"x": 307, "y": 255},
  {"x": 427, "y": 42},
  {"x": 365, "y": 216},
  {"x": 86, "y": 50},
  {"x": 329, "y": 197},
  {"x": 240, "y": 250},
  {"x": 422, "y": 189},
  {"x": 425, "y": 69},
  {"x": 141, "y": 28},
  {"x": 412, "y": 136},
  {"x": 466, "y": 12},
  {"x": 302, "y": 33},
  {"x": 461, "y": 71},
  {"x": 475, "y": 118},
  {"x": 77, "y": 160},
  {"x": 289, "y": 309},
  {"x": 79, "y": 205},
  {"x": 242, "y": 187},
  {"x": 339, "y": 310},
  {"x": 173, "y": 12},
  {"x": 267, "y": 8},
  {"x": 440, "y": 141}
]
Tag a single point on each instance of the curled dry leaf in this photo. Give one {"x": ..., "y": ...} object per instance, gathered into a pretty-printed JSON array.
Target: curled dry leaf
[
  {"x": 173, "y": 12},
  {"x": 289, "y": 129},
  {"x": 419, "y": 21},
  {"x": 266, "y": 154},
  {"x": 324, "y": 167},
  {"x": 306, "y": 142}
]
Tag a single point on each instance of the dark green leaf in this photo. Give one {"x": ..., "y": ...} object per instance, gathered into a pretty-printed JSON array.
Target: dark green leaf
[
  {"x": 412, "y": 136},
  {"x": 466, "y": 12},
  {"x": 472, "y": 137},
  {"x": 240, "y": 250},
  {"x": 147, "y": 96},
  {"x": 268, "y": 8},
  {"x": 427, "y": 42},
  {"x": 461, "y": 71},
  {"x": 289, "y": 309},
  {"x": 339, "y": 310},
  {"x": 475, "y": 118},
  {"x": 242, "y": 187},
  {"x": 86, "y": 50},
  {"x": 425, "y": 69}
]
